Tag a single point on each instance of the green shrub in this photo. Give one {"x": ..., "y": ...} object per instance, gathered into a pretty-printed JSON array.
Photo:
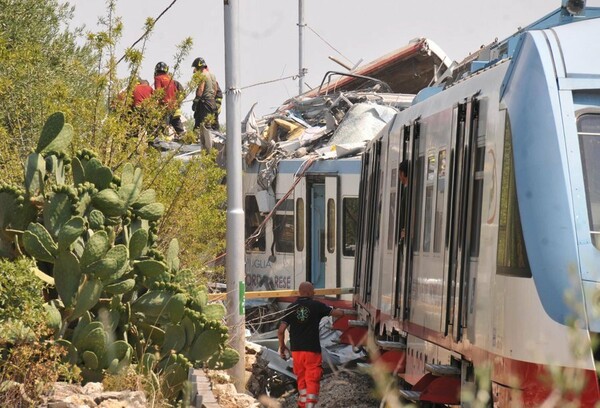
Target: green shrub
[{"x": 21, "y": 299}]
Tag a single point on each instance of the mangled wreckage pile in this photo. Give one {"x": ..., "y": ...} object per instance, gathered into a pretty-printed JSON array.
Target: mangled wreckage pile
[{"x": 324, "y": 127}]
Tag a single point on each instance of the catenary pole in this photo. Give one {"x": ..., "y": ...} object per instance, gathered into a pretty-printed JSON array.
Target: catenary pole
[
  {"x": 234, "y": 263},
  {"x": 301, "y": 69}
]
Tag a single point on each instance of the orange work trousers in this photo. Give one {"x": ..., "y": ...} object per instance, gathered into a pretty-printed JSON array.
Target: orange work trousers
[{"x": 307, "y": 367}]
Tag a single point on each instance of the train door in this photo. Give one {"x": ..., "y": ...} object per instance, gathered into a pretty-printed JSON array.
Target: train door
[
  {"x": 300, "y": 254},
  {"x": 331, "y": 232},
  {"x": 359, "y": 264},
  {"x": 401, "y": 222},
  {"x": 317, "y": 235},
  {"x": 462, "y": 229},
  {"x": 322, "y": 230},
  {"x": 369, "y": 221},
  {"x": 413, "y": 226}
]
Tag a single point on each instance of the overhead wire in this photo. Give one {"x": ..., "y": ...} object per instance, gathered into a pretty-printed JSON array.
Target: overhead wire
[
  {"x": 147, "y": 31},
  {"x": 329, "y": 44},
  {"x": 258, "y": 231},
  {"x": 294, "y": 77}
]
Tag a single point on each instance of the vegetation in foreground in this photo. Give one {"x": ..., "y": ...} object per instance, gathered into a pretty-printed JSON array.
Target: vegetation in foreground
[{"x": 93, "y": 284}]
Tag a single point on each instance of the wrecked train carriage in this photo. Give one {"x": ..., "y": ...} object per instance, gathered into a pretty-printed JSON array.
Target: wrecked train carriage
[{"x": 301, "y": 190}]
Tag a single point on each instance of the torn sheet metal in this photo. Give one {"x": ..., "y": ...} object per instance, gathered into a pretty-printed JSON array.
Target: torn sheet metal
[
  {"x": 406, "y": 70},
  {"x": 334, "y": 353},
  {"x": 361, "y": 123}
]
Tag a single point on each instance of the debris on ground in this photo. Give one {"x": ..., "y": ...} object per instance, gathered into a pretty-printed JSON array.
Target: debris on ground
[
  {"x": 341, "y": 389},
  {"x": 265, "y": 387}
]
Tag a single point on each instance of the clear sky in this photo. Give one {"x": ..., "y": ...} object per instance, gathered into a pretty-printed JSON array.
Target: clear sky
[{"x": 268, "y": 34}]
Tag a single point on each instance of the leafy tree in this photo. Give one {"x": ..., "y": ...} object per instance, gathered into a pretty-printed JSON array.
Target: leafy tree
[
  {"x": 195, "y": 199},
  {"x": 44, "y": 69},
  {"x": 49, "y": 66}
]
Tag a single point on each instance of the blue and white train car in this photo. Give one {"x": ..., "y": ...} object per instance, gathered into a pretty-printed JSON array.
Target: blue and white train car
[
  {"x": 497, "y": 271},
  {"x": 311, "y": 234}
]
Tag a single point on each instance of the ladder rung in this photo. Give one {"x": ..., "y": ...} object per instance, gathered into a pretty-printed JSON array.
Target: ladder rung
[
  {"x": 442, "y": 370},
  {"x": 358, "y": 323},
  {"x": 364, "y": 366},
  {"x": 391, "y": 345},
  {"x": 410, "y": 395}
]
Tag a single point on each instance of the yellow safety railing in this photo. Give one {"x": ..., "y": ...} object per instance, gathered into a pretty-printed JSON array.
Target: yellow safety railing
[{"x": 264, "y": 294}]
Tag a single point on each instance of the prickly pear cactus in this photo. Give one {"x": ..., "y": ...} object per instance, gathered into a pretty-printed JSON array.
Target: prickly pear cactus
[{"x": 93, "y": 232}]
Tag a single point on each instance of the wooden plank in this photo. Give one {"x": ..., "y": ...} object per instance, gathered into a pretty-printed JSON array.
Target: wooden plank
[{"x": 264, "y": 294}]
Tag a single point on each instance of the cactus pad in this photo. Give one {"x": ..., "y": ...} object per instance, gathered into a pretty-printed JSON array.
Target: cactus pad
[
  {"x": 96, "y": 219},
  {"x": 207, "y": 344},
  {"x": 150, "y": 268},
  {"x": 225, "y": 360},
  {"x": 34, "y": 247},
  {"x": 59, "y": 209},
  {"x": 95, "y": 249},
  {"x": 109, "y": 202},
  {"x": 53, "y": 317},
  {"x": 151, "y": 212},
  {"x": 87, "y": 297},
  {"x": 214, "y": 311},
  {"x": 97, "y": 174},
  {"x": 44, "y": 236},
  {"x": 77, "y": 171},
  {"x": 67, "y": 275},
  {"x": 119, "y": 288},
  {"x": 56, "y": 135},
  {"x": 35, "y": 171},
  {"x": 137, "y": 243},
  {"x": 70, "y": 232},
  {"x": 146, "y": 197},
  {"x": 173, "y": 255}
]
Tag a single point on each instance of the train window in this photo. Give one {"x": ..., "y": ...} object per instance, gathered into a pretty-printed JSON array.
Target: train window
[
  {"x": 439, "y": 201},
  {"x": 512, "y": 255},
  {"x": 392, "y": 220},
  {"x": 253, "y": 219},
  {"x": 349, "y": 225},
  {"x": 588, "y": 127},
  {"x": 476, "y": 199},
  {"x": 300, "y": 224},
  {"x": 431, "y": 167},
  {"x": 428, "y": 202},
  {"x": 418, "y": 182},
  {"x": 331, "y": 230},
  {"x": 392, "y": 209},
  {"x": 283, "y": 227}
]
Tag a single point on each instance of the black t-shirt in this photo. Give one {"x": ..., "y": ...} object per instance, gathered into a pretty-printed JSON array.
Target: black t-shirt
[{"x": 303, "y": 317}]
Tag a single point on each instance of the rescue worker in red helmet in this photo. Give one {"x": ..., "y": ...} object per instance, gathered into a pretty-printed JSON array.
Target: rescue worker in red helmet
[
  {"x": 162, "y": 80},
  {"x": 207, "y": 100},
  {"x": 303, "y": 317}
]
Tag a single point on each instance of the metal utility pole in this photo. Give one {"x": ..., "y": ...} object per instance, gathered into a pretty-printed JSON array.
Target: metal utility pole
[
  {"x": 301, "y": 69},
  {"x": 234, "y": 263}
]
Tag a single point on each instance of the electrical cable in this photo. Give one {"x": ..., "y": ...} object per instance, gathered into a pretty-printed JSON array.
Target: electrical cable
[
  {"x": 298, "y": 176},
  {"x": 330, "y": 46},
  {"x": 148, "y": 29}
]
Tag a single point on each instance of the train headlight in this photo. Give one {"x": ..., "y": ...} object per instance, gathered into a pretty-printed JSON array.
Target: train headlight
[{"x": 574, "y": 7}]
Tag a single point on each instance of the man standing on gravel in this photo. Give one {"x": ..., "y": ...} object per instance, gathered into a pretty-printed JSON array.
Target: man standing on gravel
[{"x": 303, "y": 317}]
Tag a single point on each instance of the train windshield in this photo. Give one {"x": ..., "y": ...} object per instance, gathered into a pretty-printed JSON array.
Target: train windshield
[{"x": 588, "y": 127}]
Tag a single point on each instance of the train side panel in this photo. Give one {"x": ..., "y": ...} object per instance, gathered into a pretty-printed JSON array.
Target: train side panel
[{"x": 503, "y": 246}]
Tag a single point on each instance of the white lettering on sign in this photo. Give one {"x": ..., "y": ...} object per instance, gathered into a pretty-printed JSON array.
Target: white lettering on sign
[
  {"x": 260, "y": 264},
  {"x": 255, "y": 281}
]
